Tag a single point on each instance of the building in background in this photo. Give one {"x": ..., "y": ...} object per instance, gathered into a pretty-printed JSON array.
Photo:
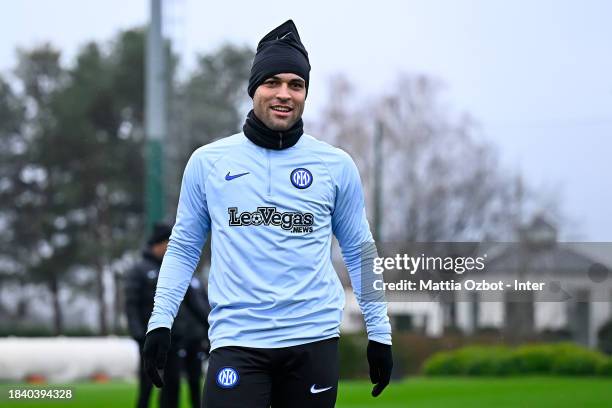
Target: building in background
[{"x": 579, "y": 281}]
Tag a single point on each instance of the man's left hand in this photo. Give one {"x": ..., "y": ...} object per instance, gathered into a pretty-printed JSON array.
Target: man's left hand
[{"x": 381, "y": 365}]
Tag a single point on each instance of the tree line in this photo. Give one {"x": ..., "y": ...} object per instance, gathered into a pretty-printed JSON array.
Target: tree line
[{"x": 72, "y": 163}]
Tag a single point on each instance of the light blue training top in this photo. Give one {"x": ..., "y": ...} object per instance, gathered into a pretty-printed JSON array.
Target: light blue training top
[{"x": 271, "y": 214}]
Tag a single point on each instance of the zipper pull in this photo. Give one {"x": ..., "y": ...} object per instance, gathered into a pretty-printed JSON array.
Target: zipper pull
[{"x": 280, "y": 141}]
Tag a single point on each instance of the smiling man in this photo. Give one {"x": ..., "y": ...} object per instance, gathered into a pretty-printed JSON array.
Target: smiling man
[
  {"x": 279, "y": 101},
  {"x": 272, "y": 197}
]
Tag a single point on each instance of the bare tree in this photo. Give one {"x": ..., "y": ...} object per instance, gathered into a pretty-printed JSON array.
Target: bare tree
[{"x": 441, "y": 180}]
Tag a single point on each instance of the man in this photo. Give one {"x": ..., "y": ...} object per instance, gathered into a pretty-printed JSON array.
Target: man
[
  {"x": 272, "y": 197},
  {"x": 139, "y": 292}
]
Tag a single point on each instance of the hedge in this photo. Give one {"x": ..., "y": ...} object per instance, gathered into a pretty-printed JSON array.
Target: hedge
[{"x": 540, "y": 359}]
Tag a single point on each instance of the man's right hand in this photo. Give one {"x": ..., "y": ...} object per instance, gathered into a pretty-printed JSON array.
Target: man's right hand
[{"x": 155, "y": 352}]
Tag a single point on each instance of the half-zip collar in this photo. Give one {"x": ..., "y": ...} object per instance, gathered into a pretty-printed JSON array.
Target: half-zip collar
[{"x": 263, "y": 136}]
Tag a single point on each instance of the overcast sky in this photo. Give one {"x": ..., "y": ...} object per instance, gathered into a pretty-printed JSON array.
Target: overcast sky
[{"x": 535, "y": 74}]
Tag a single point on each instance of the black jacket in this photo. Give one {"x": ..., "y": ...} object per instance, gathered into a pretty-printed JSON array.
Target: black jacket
[
  {"x": 187, "y": 325},
  {"x": 140, "y": 284}
]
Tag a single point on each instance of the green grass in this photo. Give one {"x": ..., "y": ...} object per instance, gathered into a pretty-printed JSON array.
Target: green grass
[
  {"x": 448, "y": 392},
  {"x": 484, "y": 392}
]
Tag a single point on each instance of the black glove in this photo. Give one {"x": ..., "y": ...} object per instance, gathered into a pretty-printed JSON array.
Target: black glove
[
  {"x": 155, "y": 352},
  {"x": 381, "y": 365}
]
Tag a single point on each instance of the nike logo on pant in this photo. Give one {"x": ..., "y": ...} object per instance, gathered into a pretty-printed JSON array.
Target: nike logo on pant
[{"x": 315, "y": 390}]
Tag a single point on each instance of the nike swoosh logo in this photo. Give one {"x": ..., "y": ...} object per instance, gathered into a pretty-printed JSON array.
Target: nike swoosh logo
[
  {"x": 314, "y": 390},
  {"x": 228, "y": 177}
]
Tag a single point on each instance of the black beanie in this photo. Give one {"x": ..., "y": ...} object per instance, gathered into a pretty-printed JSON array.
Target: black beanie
[
  {"x": 280, "y": 51},
  {"x": 161, "y": 232}
]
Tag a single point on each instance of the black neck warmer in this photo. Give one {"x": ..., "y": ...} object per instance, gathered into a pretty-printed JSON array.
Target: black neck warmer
[{"x": 263, "y": 136}]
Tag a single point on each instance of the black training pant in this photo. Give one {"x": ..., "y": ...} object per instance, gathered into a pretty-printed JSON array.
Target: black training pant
[
  {"x": 170, "y": 392},
  {"x": 145, "y": 385},
  {"x": 304, "y": 376},
  {"x": 169, "y": 395},
  {"x": 194, "y": 355}
]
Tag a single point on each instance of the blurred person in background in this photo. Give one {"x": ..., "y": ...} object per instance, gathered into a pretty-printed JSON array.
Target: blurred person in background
[
  {"x": 190, "y": 333},
  {"x": 191, "y": 338}
]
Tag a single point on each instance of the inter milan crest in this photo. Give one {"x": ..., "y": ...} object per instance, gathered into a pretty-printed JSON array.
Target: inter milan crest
[
  {"x": 227, "y": 377},
  {"x": 301, "y": 178}
]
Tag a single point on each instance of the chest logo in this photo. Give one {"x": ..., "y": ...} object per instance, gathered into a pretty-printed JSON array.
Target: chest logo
[
  {"x": 229, "y": 177},
  {"x": 294, "y": 222},
  {"x": 301, "y": 178}
]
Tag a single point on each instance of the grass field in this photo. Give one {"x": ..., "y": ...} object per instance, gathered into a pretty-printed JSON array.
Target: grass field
[{"x": 414, "y": 393}]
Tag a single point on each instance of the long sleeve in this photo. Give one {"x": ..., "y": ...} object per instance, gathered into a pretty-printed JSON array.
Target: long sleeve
[
  {"x": 351, "y": 228},
  {"x": 188, "y": 237}
]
